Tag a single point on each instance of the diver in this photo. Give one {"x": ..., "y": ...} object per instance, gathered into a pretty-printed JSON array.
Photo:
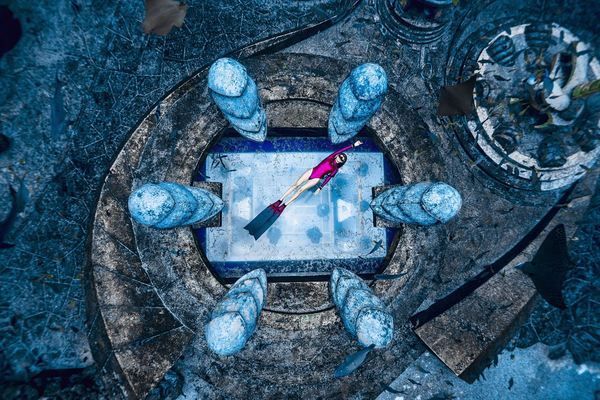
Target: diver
[{"x": 325, "y": 169}]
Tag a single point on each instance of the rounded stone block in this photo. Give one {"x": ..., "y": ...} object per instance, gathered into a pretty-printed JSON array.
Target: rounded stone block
[
  {"x": 226, "y": 334},
  {"x": 411, "y": 205},
  {"x": 423, "y": 203},
  {"x": 242, "y": 303},
  {"x": 169, "y": 205},
  {"x": 374, "y": 326},
  {"x": 150, "y": 204},
  {"x": 356, "y": 301},
  {"x": 236, "y": 95},
  {"x": 441, "y": 201},
  {"x": 340, "y": 129},
  {"x": 258, "y": 136},
  {"x": 227, "y": 77},
  {"x": 392, "y": 204},
  {"x": 359, "y": 97},
  {"x": 360, "y": 310},
  {"x": 333, "y": 279},
  {"x": 258, "y": 274},
  {"x": 182, "y": 211},
  {"x": 256, "y": 282},
  {"x": 253, "y": 287},
  {"x": 382, "y": 202},
  {"x": 208, "y": 205},
  {"x": 252, "y": 124},
  {"x": 345, "y": 283},
  {"x": 245, "y": 299},
  {"x": 353, "y": 108},
  {"x": 242, "y": 106},
  {"x": 369, "y": 81}
]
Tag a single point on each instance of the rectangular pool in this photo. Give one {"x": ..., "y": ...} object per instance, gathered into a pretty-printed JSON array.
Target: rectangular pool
[{"x": 334, "y": 225}]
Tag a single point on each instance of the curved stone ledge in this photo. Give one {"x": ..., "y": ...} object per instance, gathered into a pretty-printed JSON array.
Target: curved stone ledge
[{"x": 121, "y": 298}]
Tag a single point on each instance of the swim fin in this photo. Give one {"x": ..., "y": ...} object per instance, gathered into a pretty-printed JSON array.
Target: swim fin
[
  {"x": 263, "y": 221},
  {"x": 262, "y": 217},
  {"x": 265, "y": 226}
]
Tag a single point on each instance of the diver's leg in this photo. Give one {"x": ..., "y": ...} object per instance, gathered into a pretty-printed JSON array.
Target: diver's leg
[
  {"x": 305, "y": 177},
  {"x": 309, "y": 184}
]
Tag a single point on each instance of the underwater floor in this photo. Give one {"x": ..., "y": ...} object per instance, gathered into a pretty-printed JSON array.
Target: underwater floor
[{"x": 315, "y": 232}]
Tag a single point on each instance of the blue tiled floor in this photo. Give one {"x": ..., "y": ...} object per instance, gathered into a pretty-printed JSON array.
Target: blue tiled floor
[{"x": 335, "y": 225}]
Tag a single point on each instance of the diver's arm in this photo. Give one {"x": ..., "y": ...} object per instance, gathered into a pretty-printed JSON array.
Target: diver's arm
[
  {"x": 335, "y": 153},
  {"x": 327, "y": 179}
]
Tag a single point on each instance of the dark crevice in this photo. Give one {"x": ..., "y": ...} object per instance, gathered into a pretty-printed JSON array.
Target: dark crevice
[{"x": 10, "y": 30}]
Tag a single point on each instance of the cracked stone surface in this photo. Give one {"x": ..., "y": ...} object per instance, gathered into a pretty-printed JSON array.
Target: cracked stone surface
[{"x": 110, "y": 75}]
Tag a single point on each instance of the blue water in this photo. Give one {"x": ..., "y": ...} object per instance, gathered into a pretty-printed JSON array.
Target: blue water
[{"x": 317, "y": 231}]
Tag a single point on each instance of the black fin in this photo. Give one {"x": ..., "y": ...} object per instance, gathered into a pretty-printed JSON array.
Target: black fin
[
  {"x": 265, "y": 226},
  {"x": 259, "y": 220}
]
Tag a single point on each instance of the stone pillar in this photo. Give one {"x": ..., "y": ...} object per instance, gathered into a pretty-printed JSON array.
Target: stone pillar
[
  {"x": 234, "y": 319},
  {"x": 236, "y": 95},
  {"x": 170, "y": 205},
  {"x": 423, "y": 203},
  {"x": 358, "y": 99},
  {"x": 364, "y": 316}
]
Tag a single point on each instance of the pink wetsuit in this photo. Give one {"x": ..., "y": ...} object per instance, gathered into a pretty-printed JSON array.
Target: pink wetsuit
[{"x": 327, "y": 167}]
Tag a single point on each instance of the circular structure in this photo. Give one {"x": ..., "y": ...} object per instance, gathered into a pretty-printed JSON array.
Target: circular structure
[
  {"x": 133, "y": 263},
  {"x": 529, "y": 133},
  {"x": 419, "y": 22},
  {"x": 512, "y": 134}
]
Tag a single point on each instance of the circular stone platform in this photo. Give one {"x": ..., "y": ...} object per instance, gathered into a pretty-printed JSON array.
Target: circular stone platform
[
  {"x": 154, "y": 291},
  {"x": 516, "y": 174}
]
